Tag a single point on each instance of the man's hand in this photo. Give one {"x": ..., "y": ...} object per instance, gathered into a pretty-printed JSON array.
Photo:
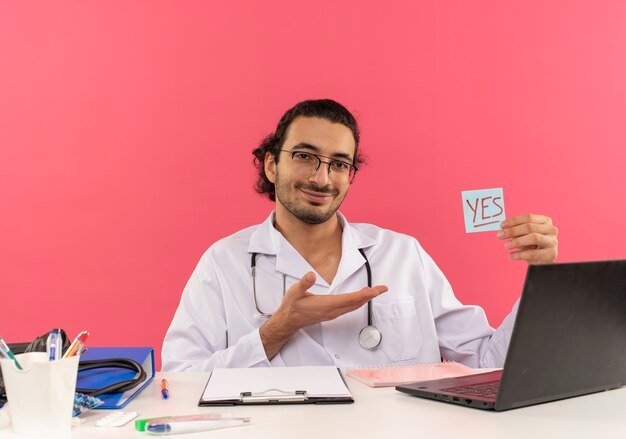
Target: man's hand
[
  {"x": 300, "y": 308},
  {"x": 532, "y": 238}
]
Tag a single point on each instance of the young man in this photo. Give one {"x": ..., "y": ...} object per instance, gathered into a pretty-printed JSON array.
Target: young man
[{"x": 308, "y": 288}]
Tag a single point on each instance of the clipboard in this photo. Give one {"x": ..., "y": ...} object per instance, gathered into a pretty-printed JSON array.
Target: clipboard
[{"x": 275, "y": 385}]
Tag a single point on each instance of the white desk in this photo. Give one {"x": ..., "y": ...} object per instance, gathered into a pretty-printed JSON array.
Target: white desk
[{"x": 376, "y": 413}]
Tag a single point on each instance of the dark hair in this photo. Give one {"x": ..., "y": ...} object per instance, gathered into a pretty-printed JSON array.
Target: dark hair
[{"x": 273, "y": 143}]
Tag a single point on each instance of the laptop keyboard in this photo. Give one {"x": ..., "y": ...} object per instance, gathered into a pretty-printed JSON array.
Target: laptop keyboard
[{"x": 486, "y": 390}]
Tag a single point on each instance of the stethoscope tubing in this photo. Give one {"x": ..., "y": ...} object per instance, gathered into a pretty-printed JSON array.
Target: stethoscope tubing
[{"x": 369, "y": 284}]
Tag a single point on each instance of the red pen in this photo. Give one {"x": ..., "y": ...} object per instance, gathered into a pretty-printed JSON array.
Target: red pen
[
  {"x": 164, "y": 390},
  {"x": 77, "y": 345}
]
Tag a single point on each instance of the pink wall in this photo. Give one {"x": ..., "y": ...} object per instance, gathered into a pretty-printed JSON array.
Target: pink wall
[{"x": 126, "y": 130}]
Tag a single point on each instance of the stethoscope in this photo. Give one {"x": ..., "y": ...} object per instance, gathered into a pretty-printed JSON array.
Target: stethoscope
[{"x": 369, "y": 336}]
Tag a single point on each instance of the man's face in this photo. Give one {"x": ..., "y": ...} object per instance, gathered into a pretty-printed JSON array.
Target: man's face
[{"x": 312, "y": 197}]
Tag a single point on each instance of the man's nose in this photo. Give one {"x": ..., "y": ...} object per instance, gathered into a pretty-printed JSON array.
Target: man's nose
[{"x": 321, "y": 176}]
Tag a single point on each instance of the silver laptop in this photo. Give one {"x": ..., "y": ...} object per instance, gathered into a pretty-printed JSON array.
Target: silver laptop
[{"x": 569, "y": 339}]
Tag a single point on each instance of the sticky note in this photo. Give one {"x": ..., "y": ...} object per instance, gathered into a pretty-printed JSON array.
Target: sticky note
[{"x": 483, "y": 209}]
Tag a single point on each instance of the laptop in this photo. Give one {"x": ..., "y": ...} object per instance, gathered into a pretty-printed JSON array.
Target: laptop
[{"x": 569, "y": 339}]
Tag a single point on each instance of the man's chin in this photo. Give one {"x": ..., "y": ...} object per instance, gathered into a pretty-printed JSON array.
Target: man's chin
[{"x": 314, "y": 217}]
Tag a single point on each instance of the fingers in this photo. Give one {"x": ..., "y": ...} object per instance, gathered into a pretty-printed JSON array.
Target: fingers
[
  {"x": 301, "y": 287},
  {"x": 534, "y": 248},
  {"x": 348, "y": 301},
  {"x": 526, "y": 218},
  {"x": 512, "y": 231},
  {"x": 532, "y": 237},
  {"x": 535, "y": 256},
  {"x": 357, "y": 298},
  {"x": 339, "y": 304}
]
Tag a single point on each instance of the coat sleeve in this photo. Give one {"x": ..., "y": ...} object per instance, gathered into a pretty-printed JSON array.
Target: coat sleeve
[
  {"x": 197, "y": 339},
  {"x": 463, "y": 332}
]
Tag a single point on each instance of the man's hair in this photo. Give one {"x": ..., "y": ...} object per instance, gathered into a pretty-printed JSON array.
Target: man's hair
[{"x": 273, "y": 143}]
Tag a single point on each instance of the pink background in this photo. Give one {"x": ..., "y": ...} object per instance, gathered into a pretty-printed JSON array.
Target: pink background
[{"x": 126, "y": 130}]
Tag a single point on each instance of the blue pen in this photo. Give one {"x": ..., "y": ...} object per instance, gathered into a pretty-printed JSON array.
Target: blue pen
[
  {"x": 54, "y": 345},
  {"x": 6, "y": 353}
]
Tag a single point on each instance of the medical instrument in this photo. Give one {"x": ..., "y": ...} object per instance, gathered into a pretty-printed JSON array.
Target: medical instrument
[
  {"x": 369, "y": 337},
  {"x": 118, "y": 363}
]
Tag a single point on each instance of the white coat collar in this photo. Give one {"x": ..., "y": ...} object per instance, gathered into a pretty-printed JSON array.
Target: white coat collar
[{"x": 267, "y": 240}]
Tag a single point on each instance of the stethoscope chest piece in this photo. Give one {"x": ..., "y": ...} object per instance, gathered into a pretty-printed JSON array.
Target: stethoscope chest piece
[{"x": 370, "y": 337}]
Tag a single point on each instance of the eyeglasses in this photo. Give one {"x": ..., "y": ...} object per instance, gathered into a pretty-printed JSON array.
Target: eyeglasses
[{"x": 307, "y": 163}]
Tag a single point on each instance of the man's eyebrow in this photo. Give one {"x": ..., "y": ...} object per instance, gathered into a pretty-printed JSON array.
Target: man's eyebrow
[{"x": 337, "y": 155}]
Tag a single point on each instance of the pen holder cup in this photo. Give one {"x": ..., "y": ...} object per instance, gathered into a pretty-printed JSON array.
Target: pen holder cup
[{"x": 41, "y": 395}]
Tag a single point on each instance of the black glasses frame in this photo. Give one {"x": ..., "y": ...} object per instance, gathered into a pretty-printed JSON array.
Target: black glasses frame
[{"x": 353, "y": 169}]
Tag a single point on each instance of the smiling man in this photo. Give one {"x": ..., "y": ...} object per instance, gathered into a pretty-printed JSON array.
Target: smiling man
[{"x": 306, "y": 287}]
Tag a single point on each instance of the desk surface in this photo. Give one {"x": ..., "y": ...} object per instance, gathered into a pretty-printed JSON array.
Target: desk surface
[{"x": 376, "y": 413}]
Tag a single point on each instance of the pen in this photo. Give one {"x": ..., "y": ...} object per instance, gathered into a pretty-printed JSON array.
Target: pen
[
  {"x": 140, "y": 424},
  {"x": 164, "y": 390},
  {"x": 190, "y": 424},
  {"x": 6, "y": 353},
  {"x": 54, "y": 345},
  {"x": 77, "y": 344}
]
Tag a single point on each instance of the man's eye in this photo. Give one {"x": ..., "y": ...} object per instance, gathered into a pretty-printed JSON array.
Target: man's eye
[
  {"x": 302, "y": 156},
  {"x": 340, "y": 166}
]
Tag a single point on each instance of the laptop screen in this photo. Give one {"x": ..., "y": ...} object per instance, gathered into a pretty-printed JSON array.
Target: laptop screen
[{"x": 570, "y": 334}]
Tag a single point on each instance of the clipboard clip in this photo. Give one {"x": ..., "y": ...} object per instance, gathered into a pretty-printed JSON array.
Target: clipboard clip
[{"x": 273, "y": 396}]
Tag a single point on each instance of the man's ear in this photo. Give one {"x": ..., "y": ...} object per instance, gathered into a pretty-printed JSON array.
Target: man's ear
[{"x": 270, "y": 167}]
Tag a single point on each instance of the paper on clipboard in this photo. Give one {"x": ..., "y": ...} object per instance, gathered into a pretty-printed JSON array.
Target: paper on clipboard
[{"x": 318, "y": 382}]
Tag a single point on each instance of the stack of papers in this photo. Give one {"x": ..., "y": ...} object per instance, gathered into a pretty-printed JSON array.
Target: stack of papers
[{"x": 387, "y": 376}]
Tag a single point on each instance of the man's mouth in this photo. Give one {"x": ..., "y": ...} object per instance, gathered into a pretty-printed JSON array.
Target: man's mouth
[{"x": 318, "y": 197}]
